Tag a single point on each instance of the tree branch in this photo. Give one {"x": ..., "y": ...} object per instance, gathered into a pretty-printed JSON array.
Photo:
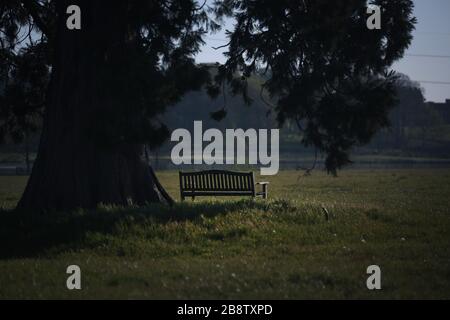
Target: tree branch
[
  {"x": 201, "y": 7},
  {"x": 221, "y": 47},
  {"x": 33, "y": 9}
]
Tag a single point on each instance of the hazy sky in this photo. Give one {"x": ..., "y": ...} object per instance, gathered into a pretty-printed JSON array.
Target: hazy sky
[{"x": 431, "y": 39}]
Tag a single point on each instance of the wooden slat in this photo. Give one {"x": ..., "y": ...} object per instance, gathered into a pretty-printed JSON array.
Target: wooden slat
[
  {"x": 211, "y": 184},
  {"x": 202, "y": 178},
  {"x": 217, "y": 193},
  {"x": 216, "y": 182}
]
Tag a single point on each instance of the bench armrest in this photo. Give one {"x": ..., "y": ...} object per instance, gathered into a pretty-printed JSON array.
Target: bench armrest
[{"x": 263, "y": 183}]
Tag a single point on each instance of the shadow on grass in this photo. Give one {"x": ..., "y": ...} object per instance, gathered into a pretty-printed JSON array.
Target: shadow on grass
[{"x": 32, "y": 235}]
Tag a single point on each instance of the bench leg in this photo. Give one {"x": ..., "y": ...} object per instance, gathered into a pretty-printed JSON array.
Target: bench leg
[{"x": 265, "y": 191}]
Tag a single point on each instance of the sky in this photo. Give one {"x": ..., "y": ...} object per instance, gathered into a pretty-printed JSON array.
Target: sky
[{"x": 427, "y": 60}]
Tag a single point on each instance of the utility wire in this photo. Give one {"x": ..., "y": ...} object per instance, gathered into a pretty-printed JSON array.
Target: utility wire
[
  {"x": 428, "y": 56},
  {"x": 409, "y": 55},
  {"x": 444, "y": 34},
  {"x": 433, "y": 82}
]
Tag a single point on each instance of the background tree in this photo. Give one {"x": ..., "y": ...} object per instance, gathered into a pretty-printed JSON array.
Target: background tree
[
  {"x": 23, "y": 82},
  {"x": 410, "y": 111},
  {"x": 328, "y": 72}
]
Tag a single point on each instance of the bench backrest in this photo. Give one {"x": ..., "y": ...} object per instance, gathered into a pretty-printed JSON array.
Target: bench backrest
[{"x": 217, "y": 181}]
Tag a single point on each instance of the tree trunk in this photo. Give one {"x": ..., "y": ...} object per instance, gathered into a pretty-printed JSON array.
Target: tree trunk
[
  {"x": 27, "y": 151},
  {"x": 72, "y": 169}
]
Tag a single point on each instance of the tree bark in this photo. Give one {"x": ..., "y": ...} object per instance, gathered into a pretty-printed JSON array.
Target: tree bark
[
  {"x": 27, "y": 151},
  {"x": 72, "y": 169}
]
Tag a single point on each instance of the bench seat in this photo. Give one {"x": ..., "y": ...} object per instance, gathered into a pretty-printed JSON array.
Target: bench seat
[{"x": 220, "y": 183}]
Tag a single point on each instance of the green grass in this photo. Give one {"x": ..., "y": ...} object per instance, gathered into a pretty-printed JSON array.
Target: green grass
[{"x": 240, "y": 248}]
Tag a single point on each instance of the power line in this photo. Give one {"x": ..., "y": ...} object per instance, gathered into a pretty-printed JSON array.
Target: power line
[
  {"x": 442, "y": 34},
  {"x": 428, "y": 56},
  {"x": 433, "y": 82},
  {"x": 409, "y": 55}
]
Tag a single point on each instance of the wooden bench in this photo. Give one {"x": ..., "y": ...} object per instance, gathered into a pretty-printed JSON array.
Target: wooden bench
[{"x": 220, "y": 183}]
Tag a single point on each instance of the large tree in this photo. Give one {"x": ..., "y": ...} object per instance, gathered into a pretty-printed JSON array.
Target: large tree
[
  {"x": 109, "y": 81},
  {"x": 132, "y": 59},
  {"x": 327, "y": 71}
]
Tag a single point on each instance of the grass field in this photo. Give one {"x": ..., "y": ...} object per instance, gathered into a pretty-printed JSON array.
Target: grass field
[{"x": 240, "y": 248}]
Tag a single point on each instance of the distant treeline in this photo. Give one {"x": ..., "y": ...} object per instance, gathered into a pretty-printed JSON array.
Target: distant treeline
[{"x": 418, "y": 128}]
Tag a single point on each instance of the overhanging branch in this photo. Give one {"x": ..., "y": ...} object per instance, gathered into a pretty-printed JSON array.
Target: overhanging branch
[{"x": 33, "y": 9}]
